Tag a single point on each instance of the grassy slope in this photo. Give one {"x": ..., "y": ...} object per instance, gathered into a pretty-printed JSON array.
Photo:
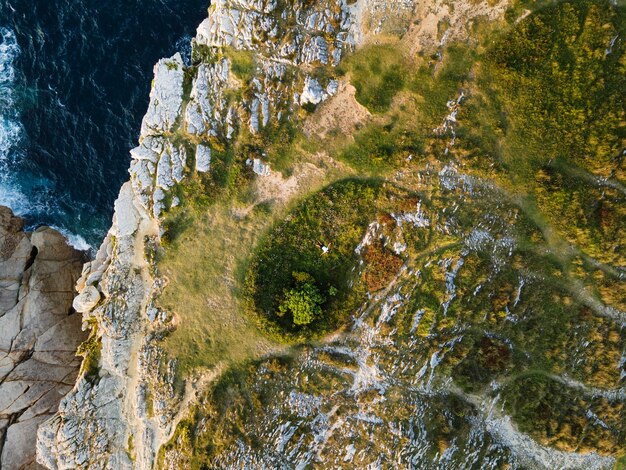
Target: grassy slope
[
  {"x": 201, "y": 267},
  {"x": 538, "y": 125}
]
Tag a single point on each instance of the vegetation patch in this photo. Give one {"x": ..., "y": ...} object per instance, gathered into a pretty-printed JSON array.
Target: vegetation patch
[
  {"x": 547, "y": 113},
  {"x": 311, "y": 255},
  {"x": 379, "y": 147},
  {"x": 381, "y": 265},
  {"x": 403, "y": 133},
  {"x": 378, "y": 72},
  {"x": 91, "y": 351},
  {"x": 242, "y": 63},
  {"x": 205, "y": 244},
  {"x": 563, "y": 417},
  {"x": 562, "y": 85}
]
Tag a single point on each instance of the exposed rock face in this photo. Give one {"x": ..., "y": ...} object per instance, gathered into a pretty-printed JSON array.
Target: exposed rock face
[
  {"x": 166, "y": 97},
  {"x": 94, "y": 424},
  {"x": 39, "y": 333}
]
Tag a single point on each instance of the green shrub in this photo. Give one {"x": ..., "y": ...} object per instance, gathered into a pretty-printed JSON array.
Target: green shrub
[
  {"x": 175, "y": 224},
  {"x": 303, "y": 302}
]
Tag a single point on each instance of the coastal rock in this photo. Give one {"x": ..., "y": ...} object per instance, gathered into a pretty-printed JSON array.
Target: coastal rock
[
  {"x": 259, "y": 168},
  {"x": 96, "y": 420},
  {"x": 166, "y": 97},
  {"x": 87, "y": 299},
  {"x": 126, "y": 214},
  {"x": 39, "y": 333}
]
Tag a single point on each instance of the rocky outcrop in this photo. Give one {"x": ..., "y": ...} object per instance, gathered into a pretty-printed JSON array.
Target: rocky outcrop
[
  {"x": 96, "y": 420},
  {"x": 122, "y": 410},
  {"x": 39, "y": 333}
]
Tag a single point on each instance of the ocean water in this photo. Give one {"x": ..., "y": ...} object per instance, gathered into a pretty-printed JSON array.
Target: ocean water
[{"x": 74, "y": 84}]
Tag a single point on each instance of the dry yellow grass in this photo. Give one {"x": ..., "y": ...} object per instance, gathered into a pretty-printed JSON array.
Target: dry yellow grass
[{"x": 203, "y": 292}]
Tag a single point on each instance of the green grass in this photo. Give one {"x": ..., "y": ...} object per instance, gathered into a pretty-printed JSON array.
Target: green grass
[
  {"x": 242, "y": 63},
  {"x": 406, "y": 129},
  {"x": 378, "y": 72},
  {"x": 200, "y": 263},
  {"x": 378, "y": 148},
  {"x": 546, "y": 115},
  {"x": 91, "y": 351}
]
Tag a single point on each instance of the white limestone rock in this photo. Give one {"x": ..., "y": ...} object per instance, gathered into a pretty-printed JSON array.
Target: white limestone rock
[
  {"x": 315, "y": 51},
  {"x": 313, "y": 92},
  {"x": 164, "y": 178},
  {"x": 126, "y": 215},
  {"x": 158, "y": 198},
  {"x": 86, "y": 300},
  {"x": 178, "y": 157},
  {"x": 166, "y": 97},
  {"x": 205, "y": 112},
  {"x": 203, "y": 158},
  {"x": 332, "y": 88},
  {"x": 259, "y": 168}
]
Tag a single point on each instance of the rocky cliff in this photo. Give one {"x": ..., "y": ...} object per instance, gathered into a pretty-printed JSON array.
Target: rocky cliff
[
  {"x": 122, "y": 410},
  {"x": 39, "y": 333},
  {"x": 125, "y": 406}
]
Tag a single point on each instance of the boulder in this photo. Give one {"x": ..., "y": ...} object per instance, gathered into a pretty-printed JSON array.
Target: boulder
[
  {"x": 86, "y": 300},
  {"x": 203, "y": 158}
]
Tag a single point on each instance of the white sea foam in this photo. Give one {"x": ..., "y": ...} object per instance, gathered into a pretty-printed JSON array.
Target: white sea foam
[
  {"x": 10, "y": 126},
  {"x": 74, "y": 240}
]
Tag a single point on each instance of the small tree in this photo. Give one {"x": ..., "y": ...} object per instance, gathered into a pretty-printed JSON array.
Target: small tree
[{"x": 304, "y": 301}]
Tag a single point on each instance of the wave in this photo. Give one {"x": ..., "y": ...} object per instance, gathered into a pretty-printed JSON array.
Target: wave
[
  {"x": 74, "y": 240},
  {"x": 10, "y": 127}
]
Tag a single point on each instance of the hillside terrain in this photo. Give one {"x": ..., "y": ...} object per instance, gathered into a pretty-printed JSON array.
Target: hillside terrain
[{"x": 382, "y": 234}]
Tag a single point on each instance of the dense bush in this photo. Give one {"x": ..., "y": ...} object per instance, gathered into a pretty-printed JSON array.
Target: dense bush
[
  {"x": 303, "y": 302},
  {"x": 316, "y": 241},
  {"x": 560, "y": 78}
]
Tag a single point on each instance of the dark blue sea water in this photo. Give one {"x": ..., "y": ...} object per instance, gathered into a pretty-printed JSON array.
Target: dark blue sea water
[{"x": 74, "y": 84}]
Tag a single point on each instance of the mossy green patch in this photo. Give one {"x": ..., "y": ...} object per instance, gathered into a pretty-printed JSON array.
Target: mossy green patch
[
  {"x": 242, "y": 63},
  {"x": 378, "y": 72}
]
